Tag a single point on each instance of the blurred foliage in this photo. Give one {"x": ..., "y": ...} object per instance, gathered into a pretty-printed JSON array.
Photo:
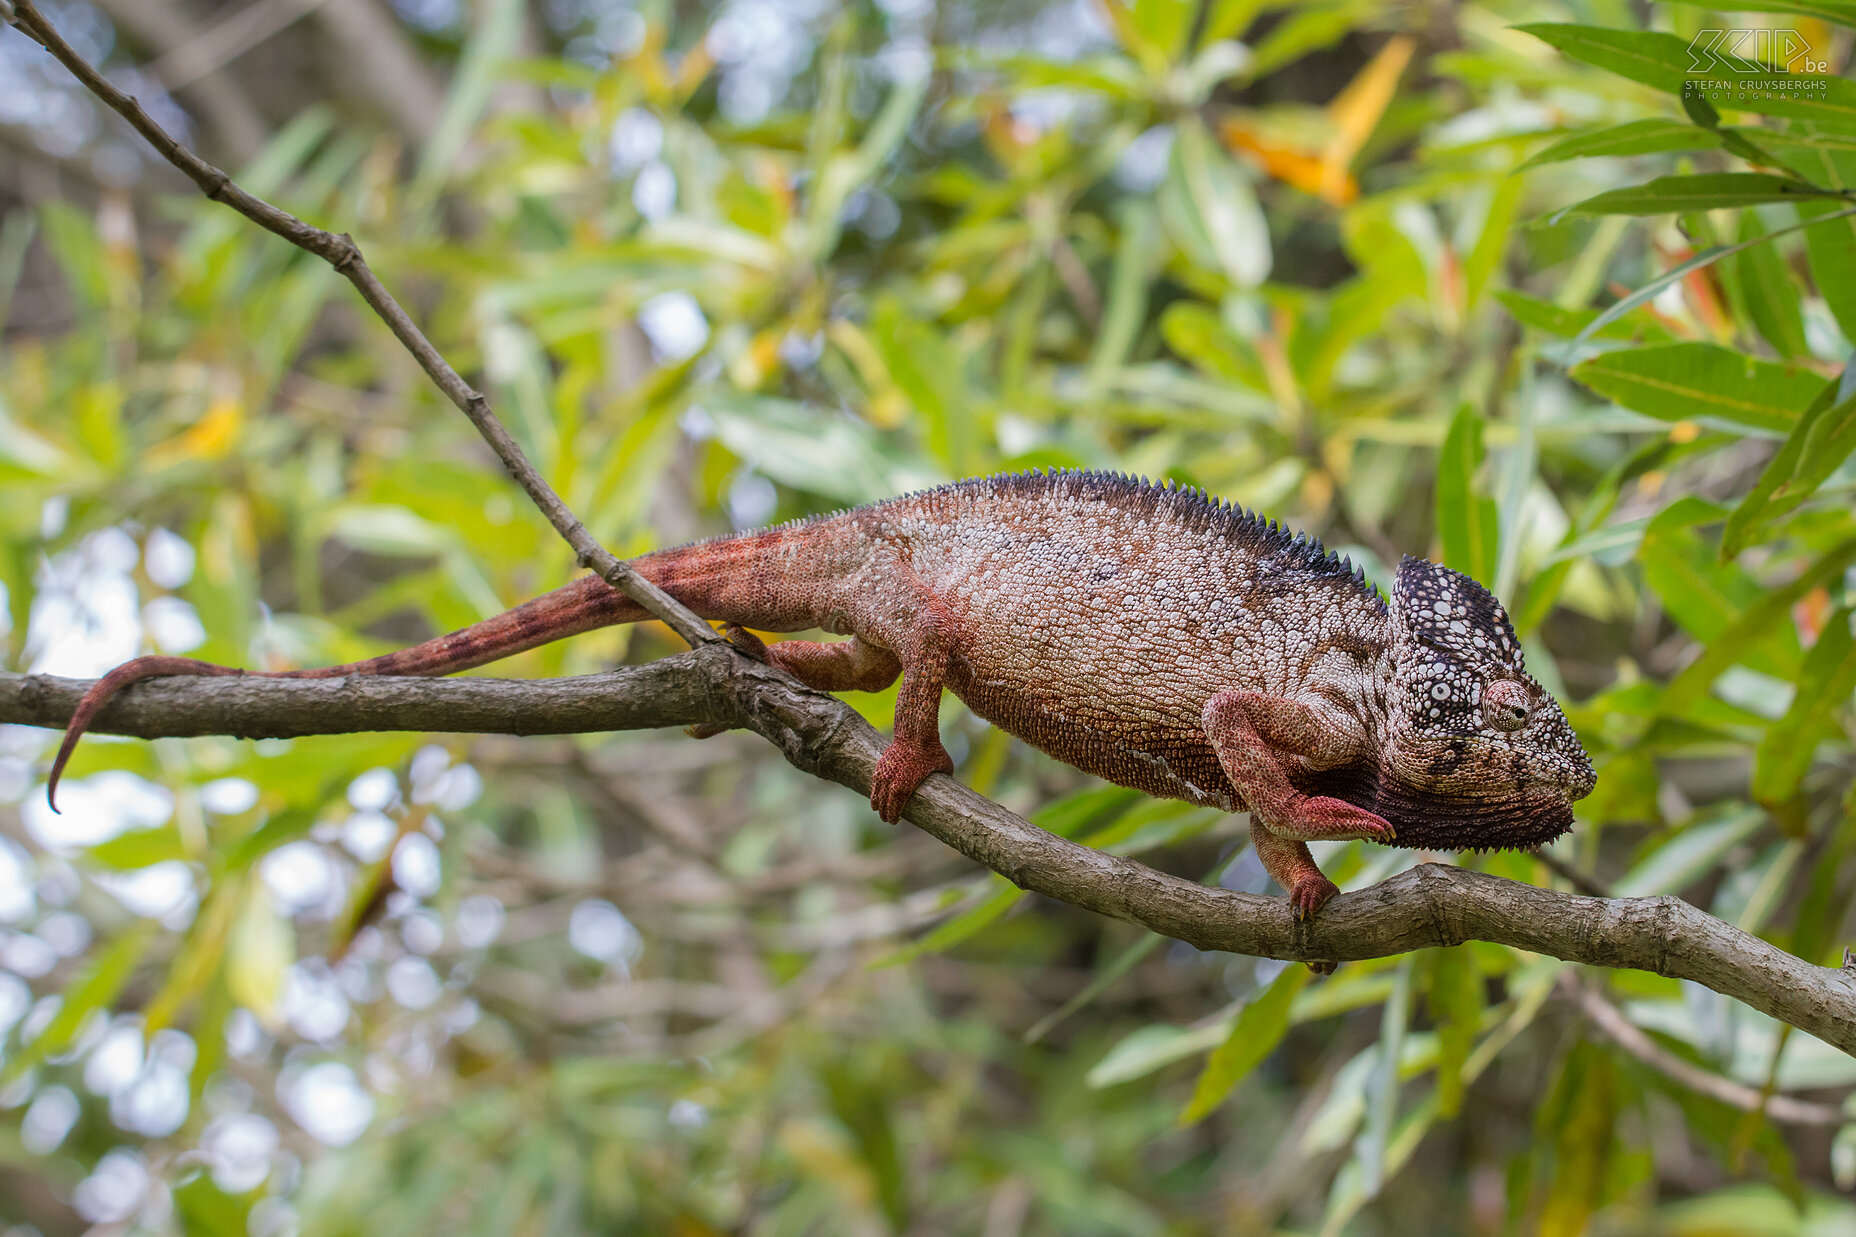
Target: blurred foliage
[{"x": 1515, "y": 285}]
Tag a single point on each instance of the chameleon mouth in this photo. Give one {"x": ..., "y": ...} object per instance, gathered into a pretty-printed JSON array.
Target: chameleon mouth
[{"x": 1428, "y": 821}]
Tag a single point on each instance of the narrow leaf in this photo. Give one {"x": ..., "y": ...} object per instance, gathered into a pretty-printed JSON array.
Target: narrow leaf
[
  {"x": 1822, "y": 439},
  {"x": 1830, "y": 245},
  {"x": 1681, "y": 382},
  {"x": 1825, "y": 682},
  {"x": 1770, "y": 295},
  {"x": 1840, "y": 11},
  {"x": 1455, "y": 1000},
  {"x": 1466, "y": 520},
  {"x": 1259, "y": 1028},
  {"x": 1701, "y": 191},
  {"x": 1639, "y": 137},
  {"x": 93, "y": 989},
  {"x": 1713, "y": 254},
  {"x": 1659, "y": 60}
]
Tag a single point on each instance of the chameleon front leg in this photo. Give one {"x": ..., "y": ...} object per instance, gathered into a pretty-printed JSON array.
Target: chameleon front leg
[
  {"x": 916, "y": 750},
  {"x": 1255, "y": 735}
]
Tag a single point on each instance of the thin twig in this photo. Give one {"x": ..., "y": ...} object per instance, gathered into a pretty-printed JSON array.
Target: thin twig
[
  {"x": 344, "y": 255},
  {"x": 228, "y": 39},
  {"x": 1634, "y": 1040}
]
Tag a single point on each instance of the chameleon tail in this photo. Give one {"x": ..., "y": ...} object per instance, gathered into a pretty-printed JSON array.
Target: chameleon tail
[
  {"x": 581, "y": 606},
  {"x": 734, "y": 579}
]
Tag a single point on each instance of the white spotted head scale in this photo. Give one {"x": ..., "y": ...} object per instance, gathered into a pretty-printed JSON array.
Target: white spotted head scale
[{"x": 1477, "y": 753}]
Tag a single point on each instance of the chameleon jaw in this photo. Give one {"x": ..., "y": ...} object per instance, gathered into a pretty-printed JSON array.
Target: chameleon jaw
[{"x": 1518, "y": 821}]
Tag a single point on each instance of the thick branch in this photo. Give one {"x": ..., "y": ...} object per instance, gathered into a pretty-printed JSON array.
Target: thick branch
[
  {"x": 345, "y": 256},
  {"x": 1429, "y": 905}
]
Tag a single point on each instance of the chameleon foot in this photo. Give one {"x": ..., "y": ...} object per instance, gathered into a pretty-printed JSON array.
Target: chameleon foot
[
  {"x": 1308, "y": 895},
  {"x": 1322, "y": 819},
  {"x": 900, "y": 771}
]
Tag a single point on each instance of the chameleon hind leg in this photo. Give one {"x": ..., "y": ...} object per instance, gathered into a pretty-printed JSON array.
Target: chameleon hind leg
[
  {"x": 863, "y": 665},
  {"x": 836, "y": 666},
  {"x": 827, "y": 666},
  {"x": 1255, "y": 735}
]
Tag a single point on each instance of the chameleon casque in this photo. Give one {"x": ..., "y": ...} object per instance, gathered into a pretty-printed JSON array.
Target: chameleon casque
[{"x": 1145, "y": 634}]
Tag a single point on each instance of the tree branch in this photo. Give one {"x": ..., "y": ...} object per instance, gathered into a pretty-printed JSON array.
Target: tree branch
[
  {"x": 1430, "y": 904},
  {"x": 345, "y": 256}
]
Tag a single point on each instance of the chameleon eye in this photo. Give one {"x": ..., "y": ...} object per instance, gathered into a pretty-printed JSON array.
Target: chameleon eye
[{"x": 1505, "y": 704}]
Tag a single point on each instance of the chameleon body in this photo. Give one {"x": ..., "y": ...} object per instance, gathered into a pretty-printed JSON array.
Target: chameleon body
[{"x": 1145, "y": 634}]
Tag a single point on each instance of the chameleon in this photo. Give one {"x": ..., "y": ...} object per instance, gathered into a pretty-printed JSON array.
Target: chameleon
[{"x": 1147, "y": 634}]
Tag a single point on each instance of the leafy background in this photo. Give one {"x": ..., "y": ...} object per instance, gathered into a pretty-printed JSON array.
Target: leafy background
[{"x": 1495, "y": 282}]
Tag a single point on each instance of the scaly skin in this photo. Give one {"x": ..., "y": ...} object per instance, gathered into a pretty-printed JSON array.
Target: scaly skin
[{"x": 1144, "y": 634}]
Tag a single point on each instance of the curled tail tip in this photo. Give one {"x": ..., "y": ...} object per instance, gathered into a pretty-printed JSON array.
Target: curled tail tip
[{"x": 100, "y": 694}]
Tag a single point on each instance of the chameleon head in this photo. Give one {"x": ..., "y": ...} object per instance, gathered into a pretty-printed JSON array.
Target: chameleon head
[{"x": 1477, "y": 753}]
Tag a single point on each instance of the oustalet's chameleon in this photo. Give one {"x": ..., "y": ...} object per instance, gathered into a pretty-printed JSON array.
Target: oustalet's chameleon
[{"x": 1145, "y": 634}]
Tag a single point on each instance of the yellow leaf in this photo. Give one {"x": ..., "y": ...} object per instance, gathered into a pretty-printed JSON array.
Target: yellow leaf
[
  {"x": 1356, "y": 112},
  {"x": 209, "y": 438},
  {"x": 1278, "y": 160}
]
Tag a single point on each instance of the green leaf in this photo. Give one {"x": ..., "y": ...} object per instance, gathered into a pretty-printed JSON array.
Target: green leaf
[
  {"x": 1703, "y": 595},
  {"x": 969, "y": 923},
  {"x": 1555, "y": 320},
  {"x": 1371, "y": 1148},
  {"x": 1753, "y": 627},
  {"x": 261, "y": 948},
  {"x": 1840, "y": 11},
  {"x": 1686, "y": 381},
  {"x": 1701, "y": 191},
  {"x": 93, "y": 989},
  {"x": 927, "y": 369},
  {"x": 1466, "y": 519},
  {"x": 1825, "y": 682},
  {"x": 1497, "y": 230},
  {"x": 1146, "y": 1049},
  {"x": 1705, "y": 257},
  {"x": 1127, "y": 295},
  {"x": 1823, "y": 438},
  {"x": 208, "y": 1211},
  {"x": 1687, "y": 855},
  {"x": 1768, "y": 291},
  {"x": 139, "y": 848},
  {"x": 1455, "y": 1000},
  {"x": 479, "y": 71},
  {"x": 1639, "y": 137},
  {"x": 1106, "y": 978},
  {"x": 1830, "y": 246},
  {"x": 1659, "y": 60},
  {"x": 1255, "y": 1034},
  {"x": 1701, "y": 111},
  {"x": 1665, "y": 62}
]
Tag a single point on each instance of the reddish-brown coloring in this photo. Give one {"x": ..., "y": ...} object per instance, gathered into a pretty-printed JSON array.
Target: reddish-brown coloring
[{"x": 1143, "y": 633}]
